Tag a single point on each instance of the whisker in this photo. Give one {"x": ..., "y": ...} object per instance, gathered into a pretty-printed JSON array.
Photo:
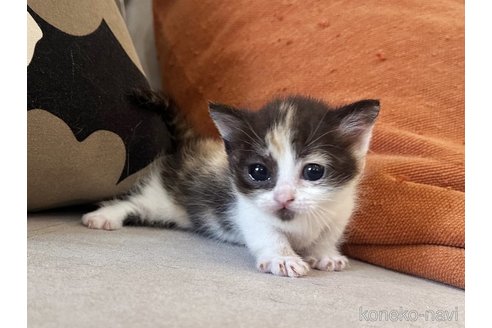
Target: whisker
[
  {"x": 252, "y": 130},
  {"x": 317, "y": 127},
  {"x": 321, "y": 136}
]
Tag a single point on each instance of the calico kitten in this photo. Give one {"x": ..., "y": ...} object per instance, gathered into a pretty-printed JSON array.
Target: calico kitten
[{"x": 283, "y": 181}]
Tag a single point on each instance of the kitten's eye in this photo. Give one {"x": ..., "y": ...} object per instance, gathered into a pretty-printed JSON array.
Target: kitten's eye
[
  {"x": 258, "y": 172},
  {"x": 313, "y": 172}
]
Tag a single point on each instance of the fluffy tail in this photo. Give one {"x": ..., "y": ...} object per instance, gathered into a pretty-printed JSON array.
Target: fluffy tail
[{"x": 163, "y": 105}]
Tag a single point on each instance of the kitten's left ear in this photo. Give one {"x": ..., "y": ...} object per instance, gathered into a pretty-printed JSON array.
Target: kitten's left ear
[
  {"x": 227, "y": 119},
  {"x": 357, "y": 121}
]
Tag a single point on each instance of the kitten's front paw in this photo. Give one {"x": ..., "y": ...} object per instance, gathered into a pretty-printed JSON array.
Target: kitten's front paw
[
  {"x": 287, "y": 266},
  {"x": 95, "y": 220},
  {"x": 328, "y": 263}
]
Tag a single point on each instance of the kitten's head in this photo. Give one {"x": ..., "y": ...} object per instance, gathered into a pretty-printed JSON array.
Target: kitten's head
[{"x": 294, "y": 154}]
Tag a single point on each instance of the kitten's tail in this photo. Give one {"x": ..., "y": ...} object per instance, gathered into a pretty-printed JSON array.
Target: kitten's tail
[{"x": 163, "y": 105}]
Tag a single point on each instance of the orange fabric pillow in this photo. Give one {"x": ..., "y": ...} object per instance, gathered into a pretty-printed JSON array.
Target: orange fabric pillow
[{"x": 409, "y": 54}]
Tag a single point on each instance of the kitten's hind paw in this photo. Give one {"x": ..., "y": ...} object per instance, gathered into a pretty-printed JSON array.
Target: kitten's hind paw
[
  {"x": 95, "y": 220},
  {"x": 286, "y": 266}
]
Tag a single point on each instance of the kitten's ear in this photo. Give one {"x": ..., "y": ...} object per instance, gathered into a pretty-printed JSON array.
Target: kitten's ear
[
  {"x": 357, "y": 121},
  {"x": 227, "y": 119}
]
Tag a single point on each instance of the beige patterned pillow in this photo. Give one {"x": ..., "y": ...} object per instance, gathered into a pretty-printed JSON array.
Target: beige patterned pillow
[{"x": 86, "y": 141}]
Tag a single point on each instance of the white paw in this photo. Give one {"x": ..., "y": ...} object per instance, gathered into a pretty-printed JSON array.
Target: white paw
[
  {"x": 286, "y": 266},
  {"x": 95, "y": 220},
  {"x": 328, "y": 263}
]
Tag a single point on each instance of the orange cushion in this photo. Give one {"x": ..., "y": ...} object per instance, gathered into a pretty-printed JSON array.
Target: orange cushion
[{"x": 408, "y": 53}]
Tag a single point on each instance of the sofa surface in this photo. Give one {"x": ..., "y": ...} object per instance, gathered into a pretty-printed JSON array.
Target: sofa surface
[{"x": 151, "y": 277}]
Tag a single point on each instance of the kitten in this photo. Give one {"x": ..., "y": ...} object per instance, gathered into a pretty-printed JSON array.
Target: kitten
[{"x": 283, "y": 181}]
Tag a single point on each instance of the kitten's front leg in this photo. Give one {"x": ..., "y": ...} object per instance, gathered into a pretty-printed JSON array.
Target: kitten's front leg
[
  {"x": 278, "y": 257},
  {"x": 272, "y": 250},
  {"x": 324, "y": 254}
]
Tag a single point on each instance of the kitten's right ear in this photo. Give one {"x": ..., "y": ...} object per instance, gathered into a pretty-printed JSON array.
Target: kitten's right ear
[{"x": 227, "y": 119}]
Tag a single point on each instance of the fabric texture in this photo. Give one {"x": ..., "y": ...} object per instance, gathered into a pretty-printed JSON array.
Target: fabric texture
[
  {"x": 409, "y": 54},
  {"x": 148, "y": 277},
  {"x": 86, "y": 141}
]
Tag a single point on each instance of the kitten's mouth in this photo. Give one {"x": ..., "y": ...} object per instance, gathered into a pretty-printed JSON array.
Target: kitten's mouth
[{"x": 285, "y": 214}]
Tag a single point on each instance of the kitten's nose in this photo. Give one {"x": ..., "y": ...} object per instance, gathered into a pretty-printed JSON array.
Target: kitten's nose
[{"x": 284, "y": 195}]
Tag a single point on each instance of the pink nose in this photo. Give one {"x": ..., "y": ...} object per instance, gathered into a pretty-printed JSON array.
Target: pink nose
[{"x": 284, "y": 195}]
